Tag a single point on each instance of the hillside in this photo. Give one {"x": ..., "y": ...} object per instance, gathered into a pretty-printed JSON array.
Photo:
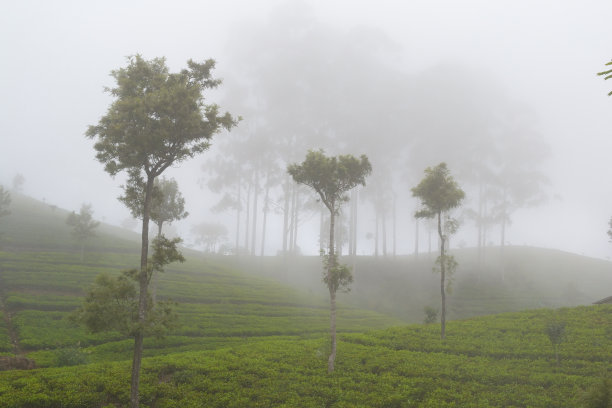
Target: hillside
[
  {"x": 492, "y": 361},
  {"x": 42, "y": 279}
]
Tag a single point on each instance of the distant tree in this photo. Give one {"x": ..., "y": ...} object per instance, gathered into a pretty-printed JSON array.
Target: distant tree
[
  {"x": 332, "y": 178},
  {"x": 555, "y": 330},
  {"x": 112, "y": 302},
  {"x": 439, "y": 193},
  {"x": 5, "y": 202},
  {"x": 167, "y": 202},
  {"x": 209, "y": 235},
  {"x": 607, "y": 73},
  {"x": 18, "y": 182},
  {"x": 431, "y": 314},
  {"x": 157, "y": 120},
  {"x": 609, "y": 228},
  {"x": 83, "y": 225}
]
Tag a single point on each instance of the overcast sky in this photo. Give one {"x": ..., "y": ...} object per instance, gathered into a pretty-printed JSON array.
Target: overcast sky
[{"x": 57, "y": 56}]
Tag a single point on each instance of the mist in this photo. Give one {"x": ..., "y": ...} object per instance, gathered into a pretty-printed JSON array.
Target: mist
[{"x": 505, "y": 93}]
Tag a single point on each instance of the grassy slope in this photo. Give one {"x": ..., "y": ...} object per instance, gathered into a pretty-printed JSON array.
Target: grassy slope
[
  {"x": 491, "y": 361},
  {"x": 246, "y": 341},
  {"x": 42, "y": 279}
]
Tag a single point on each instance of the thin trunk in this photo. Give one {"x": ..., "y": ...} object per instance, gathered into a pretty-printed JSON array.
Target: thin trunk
[
  {"x": 376, "y": 236},
  {"x": 480, "y": 225},
  {"x": 255, "y": 200},
  {"x": 332, "y": 290},
  {"x": 416, "y": 240},
  {"x": 339, "y": 236},
  {"x": 384, "y": 233},
  {"x": 296, "y": 218},
  {"x": 351, "y": 225},
  {"x": 248, "y": 219},
  {"x": 286, "y": 219},
  {"x": 238, "y": 206},
  {"x": 321, "y": 230},
  {"x": 292, "y": 222},
  {"x": 442, "y": 277},
  {"x": 265, "y": 217},
  {"x": 155, "y": 275},
  {"x": 394, "y": 227},
  {"x": 142, "y": 301}
]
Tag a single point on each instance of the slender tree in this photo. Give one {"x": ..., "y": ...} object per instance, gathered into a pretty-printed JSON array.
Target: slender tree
[
  {"x": 332, "y": 178},
  {"x": 83, "y": 225},
  {"x": 439, "y": 193},
  {"x": 156, "y": 120}
]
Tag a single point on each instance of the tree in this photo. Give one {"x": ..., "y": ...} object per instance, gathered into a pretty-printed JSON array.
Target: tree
[
  {"x": 209, "y": 235},
  {"x": 332, "y": 178},
  {"x": 167, "y": 202},
  {"x": 18, "y": 182},
  {"x": 83, "y": 225},
  {"x": 156, "y": 120},
  {"x": 112, "y": 302},
  {"x": 5, "y": 202},
  {"x": 439, "y": 193},
  {"x": 607, "y": 73}
]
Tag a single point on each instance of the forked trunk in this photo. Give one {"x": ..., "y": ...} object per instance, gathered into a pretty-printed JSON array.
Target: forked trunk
[{"x": 142, "y": 301}]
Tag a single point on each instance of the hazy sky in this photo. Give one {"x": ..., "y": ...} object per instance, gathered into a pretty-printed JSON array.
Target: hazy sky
[{"x": 57, "y": 56}]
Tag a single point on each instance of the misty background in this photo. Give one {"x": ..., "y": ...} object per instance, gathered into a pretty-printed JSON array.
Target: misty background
[{"x": 505, "y": 92}]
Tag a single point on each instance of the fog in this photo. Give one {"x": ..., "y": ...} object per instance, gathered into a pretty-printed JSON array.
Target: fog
[{"x": 505, "y": 92}]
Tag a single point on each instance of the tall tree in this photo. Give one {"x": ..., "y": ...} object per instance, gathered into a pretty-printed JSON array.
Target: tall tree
[
  {"x": 332, "y": 178},
  {"x": 439, "y": 193},
  {"x": 83, "y": 225},
  {"x": 156, "y": 120}
]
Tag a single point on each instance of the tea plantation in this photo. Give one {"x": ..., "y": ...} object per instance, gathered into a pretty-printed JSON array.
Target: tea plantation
[{"x": 244, "y": 340}]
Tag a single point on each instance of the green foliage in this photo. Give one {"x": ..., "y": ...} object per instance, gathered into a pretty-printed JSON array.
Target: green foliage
[
  {"x": 438, "y": 192},
  {"x": 607, "y": 74},
  {"x": 599, "y": 395},
  {"x": 83, "y": 224},
  {"x": 431, "y": 314},
  {"x": 450, "y": 266},
  {"x": 71, "y": 356},
  {"x": 167, "y": 202},
  {"x": 331, "y": 177},
  {"x": 157, "y": 118},
  {"x": 336, "y": 276}
]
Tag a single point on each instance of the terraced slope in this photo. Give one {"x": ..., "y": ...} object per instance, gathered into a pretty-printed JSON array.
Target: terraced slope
[
  {"x": 43, "y": 280},
  {"x": 493, "y": 361}
]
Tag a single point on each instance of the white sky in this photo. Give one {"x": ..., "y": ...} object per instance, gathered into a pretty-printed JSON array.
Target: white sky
[{"x": 57, "y": 56}]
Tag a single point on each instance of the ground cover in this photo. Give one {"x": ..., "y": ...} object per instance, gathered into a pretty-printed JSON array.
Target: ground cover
[{"x": 493, "y": 361}]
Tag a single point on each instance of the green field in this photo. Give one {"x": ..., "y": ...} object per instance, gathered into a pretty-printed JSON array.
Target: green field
[{"x": 253, "y": 333}]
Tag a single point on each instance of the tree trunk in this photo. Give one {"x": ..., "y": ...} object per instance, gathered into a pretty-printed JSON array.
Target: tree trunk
[
  {"x": 238, "y": 207},
  {"x": 286, "y": 219},
  {"x": 292, "y": 221},
  {"x": 376, "y": 236},
  {"x": 255, "y": 199},
  {"x": 442, "y": 278},
  {"x": 265, "y": 217},
  {"x": 416, "y": 240},
  {"x": 142, "y": 301},
  {"x": 296, "y": 218},
  {"x": 321, "y": 230},
  {"x": 332, "y": 290},
  {"x": 394, "y": 227},
  {"x": 155, "y": 276},
  {"x": 248, "y": 219},
  {"x": 384, "y": 233}
]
